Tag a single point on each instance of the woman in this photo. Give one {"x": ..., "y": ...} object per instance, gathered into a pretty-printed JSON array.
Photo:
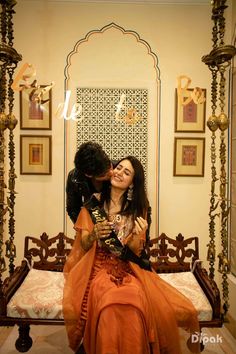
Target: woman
[{"x": 111, "y": 303}]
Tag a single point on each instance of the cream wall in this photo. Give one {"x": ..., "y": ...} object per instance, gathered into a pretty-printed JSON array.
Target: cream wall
[
  {"x": 45, "y": 32},
  {"x": 122, "y": 60},
  {"x": 174, "y": 34}
]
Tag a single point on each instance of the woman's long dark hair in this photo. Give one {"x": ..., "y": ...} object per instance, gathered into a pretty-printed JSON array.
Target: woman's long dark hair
[{"x": 139, "y": 204}]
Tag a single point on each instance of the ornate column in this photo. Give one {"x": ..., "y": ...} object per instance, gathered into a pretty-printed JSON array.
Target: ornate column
[
  {"x": 8, "y": 62},
  {"x": 218, "y": 60}
]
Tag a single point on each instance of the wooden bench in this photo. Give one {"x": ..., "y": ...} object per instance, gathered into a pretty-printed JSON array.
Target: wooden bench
[
  {"x": 182, "y": 255},
  {"x": 42, "y": 269}
]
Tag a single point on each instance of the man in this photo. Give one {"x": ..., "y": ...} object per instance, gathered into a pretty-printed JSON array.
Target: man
[{"x": 92, "y": 168}]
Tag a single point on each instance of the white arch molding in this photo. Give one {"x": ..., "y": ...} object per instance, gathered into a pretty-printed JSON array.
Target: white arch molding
[{"x": 113, "y": 57}]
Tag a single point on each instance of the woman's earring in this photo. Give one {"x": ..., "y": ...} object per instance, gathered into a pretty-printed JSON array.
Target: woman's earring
[{"x": 130, "y": 193}]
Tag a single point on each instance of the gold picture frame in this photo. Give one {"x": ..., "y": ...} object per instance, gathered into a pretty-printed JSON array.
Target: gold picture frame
[
  {"x": 35, "y": 154},
  {"x": 189, "y": 157},
  {"x": 191, "y": 117},
  {"x": 35, "y": 109}
]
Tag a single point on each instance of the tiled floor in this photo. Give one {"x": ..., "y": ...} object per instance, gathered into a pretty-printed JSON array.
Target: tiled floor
[
  {"x": 220, "y": 341},
  {"x": 46, "y": 340},
  {"x": 53, "y": 340}
]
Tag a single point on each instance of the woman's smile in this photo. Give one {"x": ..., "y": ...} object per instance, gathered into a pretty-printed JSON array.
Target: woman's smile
[{"x": 117, "y": 178}]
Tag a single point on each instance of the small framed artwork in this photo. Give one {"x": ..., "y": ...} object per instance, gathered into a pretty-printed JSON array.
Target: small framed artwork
[
  {"x": 190, "y": 117},
  {"x": 36, "y": 108},
  {"x": 35, "y": 154},
  {"x": 189, "y": 157}
]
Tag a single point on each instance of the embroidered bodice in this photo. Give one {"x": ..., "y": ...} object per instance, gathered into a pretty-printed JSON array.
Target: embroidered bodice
[{"x": 122, "y": 226}]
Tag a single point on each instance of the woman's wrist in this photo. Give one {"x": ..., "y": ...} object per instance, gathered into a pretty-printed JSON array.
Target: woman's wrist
[
  {"x": 92, "y": 237},
  {"x": 88, "y": 241}
]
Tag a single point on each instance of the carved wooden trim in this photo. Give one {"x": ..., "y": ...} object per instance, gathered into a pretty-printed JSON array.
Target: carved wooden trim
[
  {"x": 48, "y": 253},
  {"x": 10, "y": 286},
  {"x": 168, "y": 255},
  {"x": 210, "y": 289}
]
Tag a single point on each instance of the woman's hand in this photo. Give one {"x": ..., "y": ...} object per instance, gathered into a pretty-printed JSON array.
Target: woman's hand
[
  {"x": 141, "y": 226},
  {"x": 138, "y": 238},
  {"x": 102, "y": 229}
]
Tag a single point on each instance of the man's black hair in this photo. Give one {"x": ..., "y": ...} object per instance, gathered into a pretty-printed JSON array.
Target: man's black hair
[{"x": 91, "y": 160}]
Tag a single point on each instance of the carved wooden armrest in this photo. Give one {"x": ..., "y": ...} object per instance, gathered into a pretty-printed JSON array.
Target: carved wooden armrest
[
  {"x": 11, "y": 284},
  {"x": 210, "y": 289}
]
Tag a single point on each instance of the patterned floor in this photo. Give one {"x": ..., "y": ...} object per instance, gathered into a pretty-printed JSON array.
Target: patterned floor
[
  {"x": 46, "y": 340},
  {"x": 52, "y": 340}
]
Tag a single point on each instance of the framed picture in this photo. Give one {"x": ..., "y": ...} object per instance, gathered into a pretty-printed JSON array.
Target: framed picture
[
  {"x": 35, "y": 154},
  {"x": 190, "y": 117},
  {"x": 189, "y": 157},
  {"x": 36, "y": 113}
]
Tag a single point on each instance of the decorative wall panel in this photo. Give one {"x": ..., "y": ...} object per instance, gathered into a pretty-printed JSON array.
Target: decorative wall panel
[{"x": 120, "y": 133}]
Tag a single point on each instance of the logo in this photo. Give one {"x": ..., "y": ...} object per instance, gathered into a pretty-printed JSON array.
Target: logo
[{"x": 204, "y": 338}]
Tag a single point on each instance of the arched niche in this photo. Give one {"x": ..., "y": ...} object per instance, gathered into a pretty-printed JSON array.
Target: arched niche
[{"x": 119, "y": 59}]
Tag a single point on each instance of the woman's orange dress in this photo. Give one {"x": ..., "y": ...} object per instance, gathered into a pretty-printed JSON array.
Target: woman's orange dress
[{"x": 118, "y": 308}]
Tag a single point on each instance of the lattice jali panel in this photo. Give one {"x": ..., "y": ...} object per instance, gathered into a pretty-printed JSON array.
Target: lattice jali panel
[{"x": 117, "y": 138}]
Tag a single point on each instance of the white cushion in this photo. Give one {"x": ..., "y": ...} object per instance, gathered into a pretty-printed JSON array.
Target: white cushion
[
  {"x": 187, "y": 284},
  {"x": 40, "y": 295}
]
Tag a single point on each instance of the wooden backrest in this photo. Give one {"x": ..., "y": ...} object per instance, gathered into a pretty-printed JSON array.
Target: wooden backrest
[
  {"x": 48, "y": 253},
  {"x": 168, "y": 255}
]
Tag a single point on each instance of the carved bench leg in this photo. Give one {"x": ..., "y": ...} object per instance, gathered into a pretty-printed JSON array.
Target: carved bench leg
[{"x": 24, "y": 341}]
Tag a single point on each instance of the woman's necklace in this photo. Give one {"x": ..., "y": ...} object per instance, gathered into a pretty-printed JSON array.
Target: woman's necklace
[{"x": 113, "y": 211}]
